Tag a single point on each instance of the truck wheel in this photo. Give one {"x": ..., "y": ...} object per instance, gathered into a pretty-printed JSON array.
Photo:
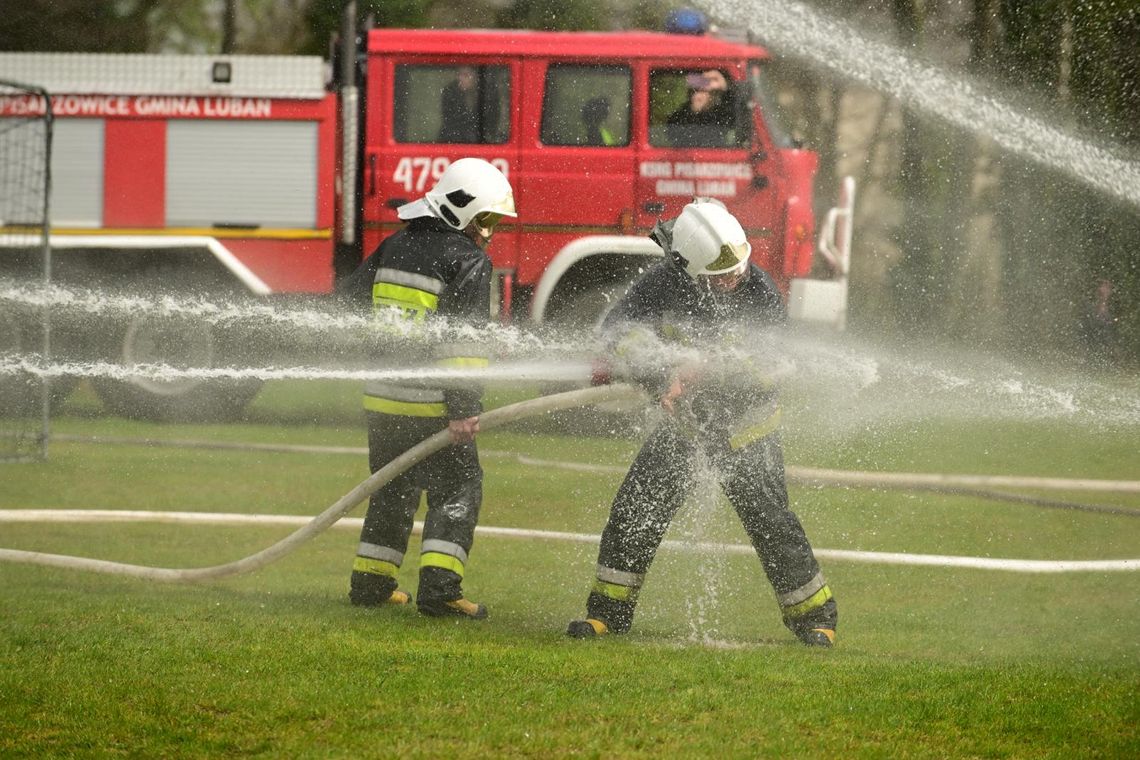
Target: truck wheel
[
  {"x": 588, "y": 306},
  {"x": 181, "y": 344},
  {"x": 584, "y": 312}
]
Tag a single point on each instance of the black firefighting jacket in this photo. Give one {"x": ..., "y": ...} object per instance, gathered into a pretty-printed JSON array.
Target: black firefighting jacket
[
  {"x": 666, "y": 313},
  {"x": 426, "y": 271}
]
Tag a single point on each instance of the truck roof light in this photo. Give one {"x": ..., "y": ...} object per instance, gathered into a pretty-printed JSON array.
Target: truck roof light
[{"x": 686, "y": 21}]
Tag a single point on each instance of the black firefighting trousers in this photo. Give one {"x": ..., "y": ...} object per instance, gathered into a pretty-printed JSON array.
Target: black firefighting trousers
[
  {"x": 661, "y": 476},
  {"x": 453, "y": 481}
]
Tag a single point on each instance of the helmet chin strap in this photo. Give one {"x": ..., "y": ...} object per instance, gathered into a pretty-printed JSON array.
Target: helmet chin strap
[{"x": 480, "y": 234}]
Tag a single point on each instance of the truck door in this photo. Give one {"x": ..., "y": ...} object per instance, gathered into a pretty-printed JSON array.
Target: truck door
[
  {"x": 578, "y": 160},
  {"x": 702, "y": 141},
  {"x": 425, "y": 112}
]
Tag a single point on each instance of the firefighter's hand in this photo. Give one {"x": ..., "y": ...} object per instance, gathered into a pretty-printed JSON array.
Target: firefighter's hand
[
  {"x": 679, "y": 385},
  {"x": 715, "y": 79},
  {"x": 671, "y": 394},
  {"x": 463, "y": 431}
]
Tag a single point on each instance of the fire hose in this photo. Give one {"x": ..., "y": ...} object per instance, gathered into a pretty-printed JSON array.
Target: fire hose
[{"x": 488, "y": 420}]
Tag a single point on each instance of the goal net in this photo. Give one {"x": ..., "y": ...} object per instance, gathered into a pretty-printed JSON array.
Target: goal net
[{"x": 25, "y": 262}]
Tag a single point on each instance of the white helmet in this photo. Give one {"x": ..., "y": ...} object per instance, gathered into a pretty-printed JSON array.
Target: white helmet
[
  {"x": 467, "y": 188},
  {"x": 707, "y": 240}
]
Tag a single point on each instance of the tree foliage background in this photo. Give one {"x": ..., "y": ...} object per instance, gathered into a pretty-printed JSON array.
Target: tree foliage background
[{"x": 954, "y": 237}]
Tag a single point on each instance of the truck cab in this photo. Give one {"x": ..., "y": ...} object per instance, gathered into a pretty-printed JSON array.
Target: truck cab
[
  {"x": 597, "y": 134},
  {"x": 233, "y": 177}
]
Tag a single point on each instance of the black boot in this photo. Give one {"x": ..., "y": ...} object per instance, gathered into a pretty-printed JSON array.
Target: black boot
[
  {"x": 440, "y": 595},
  {"x": 371, "y": 590}
]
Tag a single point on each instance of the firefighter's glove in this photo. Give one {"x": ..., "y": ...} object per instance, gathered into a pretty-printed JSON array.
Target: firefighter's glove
[
  {"x": 601, "y": 372},
  {"x": 637, "y": 358}
]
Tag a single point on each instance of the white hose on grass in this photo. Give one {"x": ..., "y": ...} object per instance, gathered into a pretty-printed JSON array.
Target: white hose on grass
[{"x": 341, "y": 507}]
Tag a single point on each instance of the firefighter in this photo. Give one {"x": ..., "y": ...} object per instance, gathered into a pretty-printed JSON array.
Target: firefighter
[
  {"x": 705, "y": 294},
  {"x": 435, "y": 267}
]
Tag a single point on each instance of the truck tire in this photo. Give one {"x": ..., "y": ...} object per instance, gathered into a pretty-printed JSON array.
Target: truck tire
[
  {"x": 182, "y": 344},
  {"x": 588, "y": 306},
  {"x": 584, "y": 312}
]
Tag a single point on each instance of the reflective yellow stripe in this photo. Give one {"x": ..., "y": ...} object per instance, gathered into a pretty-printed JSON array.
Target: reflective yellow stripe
[
  {"x": 464, "y": 361},
  {"x": 262, "y": 233},
  {"x": 674, "y": 333},
  {"x": 406, "y": 408},
  {"x": 374, "y": 566},
  {"x": 404, "y": 297},
  {"x": 818, "y": 599},
  {"x": 574, "y": 229},
  {"x": 636, "y": 339},
  {"x": 446, "y": 561},
  {"x": 614, "y": 591},
  {"x": 759, "y": 375},
  {"x": 754, "y": 433}
]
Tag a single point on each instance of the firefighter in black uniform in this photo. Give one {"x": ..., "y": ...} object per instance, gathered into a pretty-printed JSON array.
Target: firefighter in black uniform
[
  {"x": 707, "y": 294},
  {"x": 434, "y": 267}
]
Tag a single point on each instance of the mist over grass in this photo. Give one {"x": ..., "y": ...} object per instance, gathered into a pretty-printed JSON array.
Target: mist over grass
[{"x": 931, "y": 661}]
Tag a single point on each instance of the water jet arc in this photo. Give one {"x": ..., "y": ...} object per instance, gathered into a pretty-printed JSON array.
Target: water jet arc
[{"x": 320, "y": 523}]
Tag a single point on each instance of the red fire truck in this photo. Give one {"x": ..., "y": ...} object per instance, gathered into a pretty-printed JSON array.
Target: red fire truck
[{"x": 266, "y": 175}]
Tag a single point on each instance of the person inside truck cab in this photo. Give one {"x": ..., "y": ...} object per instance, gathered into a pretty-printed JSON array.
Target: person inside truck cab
[
  {"x": 594, "y": 115},
  {"x": 465, "y": 116},
  {"x": 706, "y": 116}
]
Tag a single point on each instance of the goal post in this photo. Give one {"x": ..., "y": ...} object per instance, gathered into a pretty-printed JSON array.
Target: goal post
[{"x": 25, "y": 262}]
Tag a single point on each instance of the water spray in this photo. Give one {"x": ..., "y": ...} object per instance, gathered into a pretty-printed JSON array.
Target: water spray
[
  {"x": 323, "y": 521},
  {"x": 797, "y": 30},
  {"x": 307, "y": 318},
  {"x": 567, "y": 371}
]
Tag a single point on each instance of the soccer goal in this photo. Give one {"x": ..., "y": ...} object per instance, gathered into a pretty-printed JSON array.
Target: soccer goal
[{"x": 25, "y": 256}]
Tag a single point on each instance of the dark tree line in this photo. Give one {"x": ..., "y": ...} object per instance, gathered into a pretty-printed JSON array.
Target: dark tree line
[
  {"x": 77, "y": 25},
  {"x": 1083, "y": 60},
  {"x": 1074, "y": 65},
  {"x": 990, "y": 245}
]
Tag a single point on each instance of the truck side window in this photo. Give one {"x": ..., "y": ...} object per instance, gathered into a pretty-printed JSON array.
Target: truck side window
[
  {"x": 452, "y": 104},
  {"x": 693, "y": 109},
  {"x": 586, "y": 105}
]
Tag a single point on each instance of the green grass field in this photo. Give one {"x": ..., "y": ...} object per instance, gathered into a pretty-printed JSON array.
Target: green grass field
[{"x": 931, "y": 661}]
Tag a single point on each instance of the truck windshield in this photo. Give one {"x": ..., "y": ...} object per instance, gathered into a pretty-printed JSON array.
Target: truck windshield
[{"x": 765, "y": 100}]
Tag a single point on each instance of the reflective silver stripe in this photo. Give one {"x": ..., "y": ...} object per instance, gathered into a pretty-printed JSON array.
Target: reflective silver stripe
[
  {"x": 803, "y": 592},
  {"x": 382, "y": 553},
  {"x": 404, "y": 393},
  {"x": 444, "y": 547},
  {"x": 620, "y": 577},
  {"x": 410, "y": 279}
]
